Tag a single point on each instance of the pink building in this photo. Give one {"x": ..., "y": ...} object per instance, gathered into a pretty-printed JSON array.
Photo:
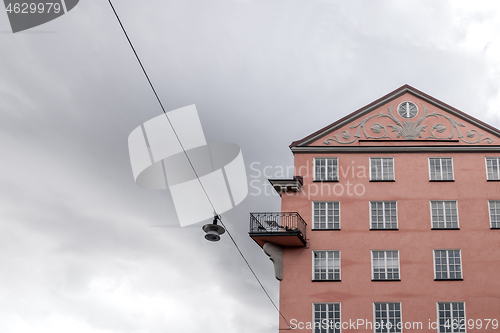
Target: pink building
[{"x": 391, "y": 223}]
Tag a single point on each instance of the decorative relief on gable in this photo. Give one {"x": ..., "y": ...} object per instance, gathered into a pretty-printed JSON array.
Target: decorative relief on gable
[{"x": 408, "y": 130}]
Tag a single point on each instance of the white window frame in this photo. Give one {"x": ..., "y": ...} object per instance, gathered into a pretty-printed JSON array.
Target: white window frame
[
  {"x": 448, "y": 263},
  {"x": 441, "y": 166},
  {"x": 385, "y": 262},
  {"x": 451, "y": 310},
  {"x": 400, "y": 317},
  {"x": 371, "y": 217},
  {"x": 340, "y": 266},
  {"x": 329, "y": 330},
  {"x": 486, "y": 166},
  {"x": 444, "y": 212},
  {"x": 325, "y": 158},
  {"x": 489, "y": 213},
  {"x": 313, "y": 216},
  {"x": 382, "y": 165}
]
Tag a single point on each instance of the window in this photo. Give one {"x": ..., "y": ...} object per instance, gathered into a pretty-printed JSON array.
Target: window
[
  {"x": 326, "y": 215},
  {"x": 382, "y": 169},
  {"x": 385, "y": 265},
  {"x": 407, "y": 110},
  {"x": 383, "y": 215},
  {"x": 325, "y": 169},
  {"x": 326, "y": 317},
  {"x": 494, "y": 214},
  {"x": 387, "y": 317},
  {"x": 447, "y": 265},
  {"x": 441, "y": 168},
  {"x": 326, "y": 265},
  {"x": 493, "y": 168},
  {"x": 444, "y": 214},
  {"x": 451, "y": 317}
]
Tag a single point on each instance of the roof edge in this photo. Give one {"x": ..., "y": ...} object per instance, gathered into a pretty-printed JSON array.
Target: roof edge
[{"x": 392, "y": 95}]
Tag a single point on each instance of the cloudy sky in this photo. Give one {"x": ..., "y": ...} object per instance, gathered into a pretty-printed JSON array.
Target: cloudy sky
[{"x": 83, "y": 249}]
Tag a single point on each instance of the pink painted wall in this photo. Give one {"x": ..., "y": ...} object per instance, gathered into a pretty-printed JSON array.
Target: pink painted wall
[{"x": 417, "y": 291}]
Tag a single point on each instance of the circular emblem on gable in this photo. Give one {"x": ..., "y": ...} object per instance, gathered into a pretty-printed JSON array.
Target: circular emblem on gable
[{"x": 407, "y": 110}]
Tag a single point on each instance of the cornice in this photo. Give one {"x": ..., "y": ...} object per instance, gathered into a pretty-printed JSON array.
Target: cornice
[{"x": 395, "y": 149}]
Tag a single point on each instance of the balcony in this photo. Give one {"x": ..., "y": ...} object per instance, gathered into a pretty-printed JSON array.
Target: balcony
[
  {"x": 284, "y": 228},
  {"x": 287, "y": 185}
]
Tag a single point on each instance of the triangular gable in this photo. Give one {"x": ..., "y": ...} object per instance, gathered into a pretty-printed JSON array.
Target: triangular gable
[{"x": 427, "y": 120}]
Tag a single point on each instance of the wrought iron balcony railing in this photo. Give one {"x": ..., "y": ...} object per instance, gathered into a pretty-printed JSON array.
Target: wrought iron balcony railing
[{"x": 286, "y": 223}]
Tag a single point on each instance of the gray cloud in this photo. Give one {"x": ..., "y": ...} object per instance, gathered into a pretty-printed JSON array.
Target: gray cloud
[{"x": 78, "y": 252}]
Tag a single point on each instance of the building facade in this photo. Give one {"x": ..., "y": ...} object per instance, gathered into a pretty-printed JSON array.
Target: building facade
[{"x": 391, "y": 222}]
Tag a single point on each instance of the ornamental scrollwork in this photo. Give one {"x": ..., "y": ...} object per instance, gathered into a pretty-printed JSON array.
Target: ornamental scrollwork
[{"x": 408, "y": 130}]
